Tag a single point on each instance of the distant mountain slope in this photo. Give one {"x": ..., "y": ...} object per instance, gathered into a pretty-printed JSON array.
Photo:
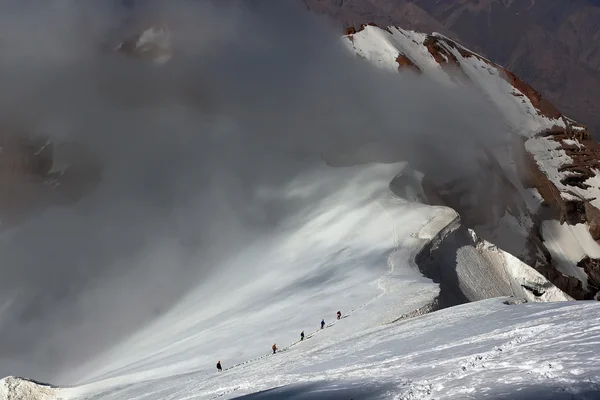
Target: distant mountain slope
[
  {"x": 535, "y": 195},
  {"x": 552, "y": 44}
]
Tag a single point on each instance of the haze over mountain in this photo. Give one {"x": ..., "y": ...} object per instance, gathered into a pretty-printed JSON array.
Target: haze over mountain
[{"x": 244, "y": 171}]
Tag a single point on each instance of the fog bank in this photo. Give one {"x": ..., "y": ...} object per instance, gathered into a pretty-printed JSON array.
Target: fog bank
[{"x": 252, "y": 98}]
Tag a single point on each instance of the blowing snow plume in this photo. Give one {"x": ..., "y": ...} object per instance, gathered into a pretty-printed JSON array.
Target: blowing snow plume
[{"x": 251, "y": 99}]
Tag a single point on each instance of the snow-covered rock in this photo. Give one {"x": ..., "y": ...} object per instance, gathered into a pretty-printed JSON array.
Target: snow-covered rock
[
  {"x": 153, "y": 43},
  {"x": 15, "y": 388}
]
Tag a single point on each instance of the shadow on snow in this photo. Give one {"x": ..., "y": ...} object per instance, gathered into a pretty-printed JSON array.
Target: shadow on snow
[{"x": 326, "y": 391}]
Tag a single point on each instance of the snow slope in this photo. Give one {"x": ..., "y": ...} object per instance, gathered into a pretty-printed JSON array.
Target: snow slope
[
  {"x": 354, "y": 251},
  {"x": 465, "y": 352},
  {"x": 350, "y": 248}
]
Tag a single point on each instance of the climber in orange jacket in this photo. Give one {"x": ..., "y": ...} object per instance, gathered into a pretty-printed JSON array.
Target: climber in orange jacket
[{"x": 274, "y": 348}]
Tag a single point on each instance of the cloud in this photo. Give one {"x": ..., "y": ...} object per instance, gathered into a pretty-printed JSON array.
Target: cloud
[{"x": 255, "y": 95}]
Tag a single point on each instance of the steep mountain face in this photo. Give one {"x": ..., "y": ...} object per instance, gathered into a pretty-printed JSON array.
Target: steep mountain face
[
  {"x": 536, "y": 194},
  {"x": 553, "y": 45}
]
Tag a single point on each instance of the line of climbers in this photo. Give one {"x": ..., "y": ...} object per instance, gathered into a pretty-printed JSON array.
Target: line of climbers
[{"x": 274, "y": 347}]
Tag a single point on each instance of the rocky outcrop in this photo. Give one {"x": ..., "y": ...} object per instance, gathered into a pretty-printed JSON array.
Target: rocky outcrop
[
  {"x": 405, "y": 62},
  {"x": 468, "y": 268},
  {"x": 592, "y": 269},
  {"x": 539, "y": 102},
  {"x": 544, "y": 107}
]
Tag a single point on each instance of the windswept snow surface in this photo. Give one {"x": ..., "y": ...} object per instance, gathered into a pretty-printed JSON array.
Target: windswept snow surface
[
  {"x": 486, "y": 348},
  {"x": 353, "y": 250},
  {"x": 376, "y": 350},
  {"x": 519, "y": 112}
]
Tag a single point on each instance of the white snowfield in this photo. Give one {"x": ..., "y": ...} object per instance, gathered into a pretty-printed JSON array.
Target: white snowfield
[{"x": 485, "y": 349}]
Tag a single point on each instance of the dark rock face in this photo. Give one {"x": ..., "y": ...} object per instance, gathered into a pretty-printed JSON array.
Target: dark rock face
[{"x": 592, "y": 269}]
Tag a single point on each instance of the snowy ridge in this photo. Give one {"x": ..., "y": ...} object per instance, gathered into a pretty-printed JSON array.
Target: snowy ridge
[
  {"x": 488, "y": 348},
  {"x": 565, "y": 163},
  {"x": 382, "y": 47}
]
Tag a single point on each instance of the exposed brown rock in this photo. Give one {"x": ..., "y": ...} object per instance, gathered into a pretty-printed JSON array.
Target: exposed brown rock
[
  {"x": 593, "y": 220},
  {"x": 351, "y": 30},
  {"x": 362, "y": 27},
  {"x": 463, "y": 51},
  {"x": 446, "y": 59},
  {"x": 405, "y": 62},
  {"x": 507, "y": 199},
  {"x": 439, "y": 53},
  {"x": 532, "y": 177},
  {"x": 568, "y": 284},
  {"x": 540, "y": 103},
  {"x": 591, "y": 266}
]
